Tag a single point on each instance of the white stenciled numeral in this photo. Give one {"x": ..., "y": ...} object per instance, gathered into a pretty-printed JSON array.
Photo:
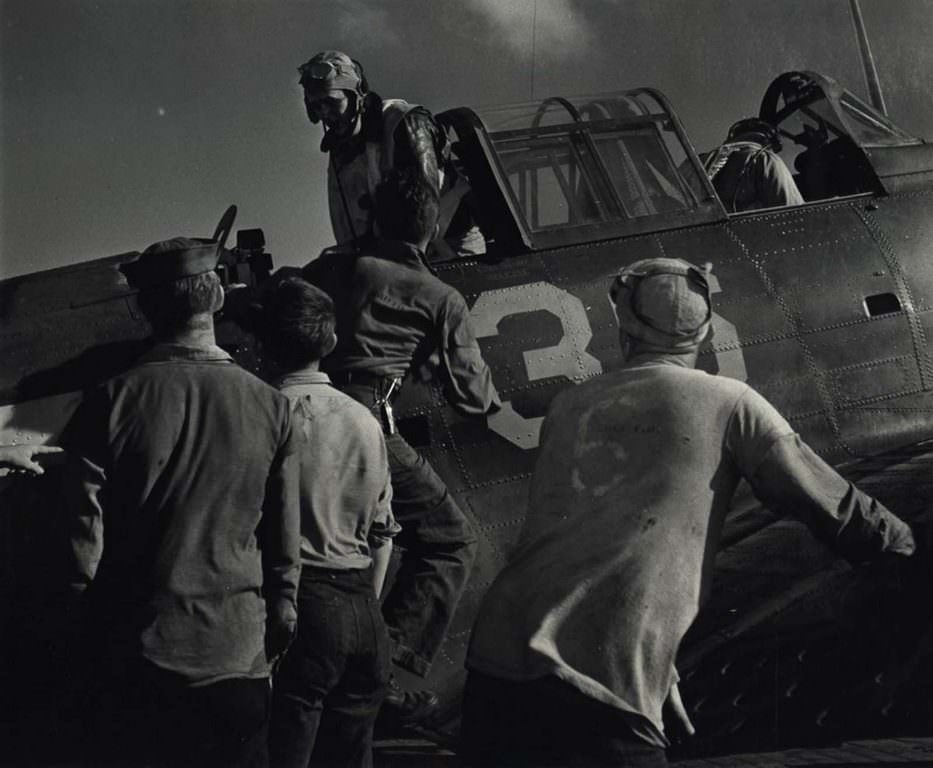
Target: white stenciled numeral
[{"x": 567, "y": 358}]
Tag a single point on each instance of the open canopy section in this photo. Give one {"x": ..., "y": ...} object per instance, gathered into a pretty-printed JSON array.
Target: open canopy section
[
  {"x": 812, "y": 109},
  {"x": 575, "y": 170},
  {"x": 841, "y": 145}
]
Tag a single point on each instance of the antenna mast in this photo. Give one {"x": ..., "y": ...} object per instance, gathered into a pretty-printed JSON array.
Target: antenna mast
[
  {"x": 534, "y": 33},
  {"x": 868, "y": 61}
]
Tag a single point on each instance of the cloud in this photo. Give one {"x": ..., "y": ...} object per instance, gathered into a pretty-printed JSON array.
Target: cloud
[
  {"x": 360, "y": 20},
  {"x": 559, "y": 27}
]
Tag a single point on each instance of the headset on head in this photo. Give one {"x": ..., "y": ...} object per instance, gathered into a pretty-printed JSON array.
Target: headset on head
[
  {"x": 320, "y": 70},
  {"x": 755, "y": 126}
]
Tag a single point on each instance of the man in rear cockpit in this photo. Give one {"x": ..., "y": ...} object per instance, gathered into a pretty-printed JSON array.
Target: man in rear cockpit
[{"x": 747, "y": 172}]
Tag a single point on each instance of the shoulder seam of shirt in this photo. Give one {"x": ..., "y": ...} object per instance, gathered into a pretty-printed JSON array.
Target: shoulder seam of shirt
[{"x": 735, "y": 408}]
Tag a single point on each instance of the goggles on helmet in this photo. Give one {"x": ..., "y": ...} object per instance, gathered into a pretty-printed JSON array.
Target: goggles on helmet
[{"x": 629, "y": 278}]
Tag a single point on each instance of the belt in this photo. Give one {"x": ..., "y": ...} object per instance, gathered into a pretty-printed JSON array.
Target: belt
[
  {"x": 364, "y": 378},
  {"x": 333, "y": 573}
]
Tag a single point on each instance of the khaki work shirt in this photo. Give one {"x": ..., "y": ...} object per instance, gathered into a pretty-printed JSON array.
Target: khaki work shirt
[
  {"x": 346, "y": 491},
  {"x": 182, "y": 500},
  {"x": 394, "y": 316},
  {"x": 635, "y": 476}
]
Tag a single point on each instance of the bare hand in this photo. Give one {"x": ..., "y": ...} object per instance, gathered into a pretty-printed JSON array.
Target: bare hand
[{"x": 21, "y": 459}]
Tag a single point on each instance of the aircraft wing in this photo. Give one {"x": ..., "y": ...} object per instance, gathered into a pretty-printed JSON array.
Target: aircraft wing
[{"x": 795, "y": 646}]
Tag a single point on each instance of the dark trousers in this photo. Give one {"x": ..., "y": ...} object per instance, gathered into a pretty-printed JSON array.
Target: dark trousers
[
  {"x": 150, "y": 717},
  {"x": 437, "y": 545},
  {"x": 334, "y": 677},
  {"x": 546, "y": 723}
]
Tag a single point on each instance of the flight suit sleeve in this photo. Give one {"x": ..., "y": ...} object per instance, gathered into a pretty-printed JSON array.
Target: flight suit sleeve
[
  {"x": 787, "y": 476},
  {"x": 469, "y": 380},
  {"x": 83, "y": 487},
  {"x": 418, "y": 142},
  {"x": 776, "y": 185},
  {"x": 280, "y": 530}
]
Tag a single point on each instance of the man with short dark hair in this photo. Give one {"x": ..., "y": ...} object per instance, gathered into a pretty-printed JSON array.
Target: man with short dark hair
[
  {"x": 395, "y": 317},
  {"x": 572, "y": 655},
  {"x": 334, "y": 678},
  {"x": 183, "y": 520}
]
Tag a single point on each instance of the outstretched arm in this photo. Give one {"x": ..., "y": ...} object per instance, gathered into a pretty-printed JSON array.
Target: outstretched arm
[
  {"x": 792, "y": 477},
  {"x": 789, "y": 477}
]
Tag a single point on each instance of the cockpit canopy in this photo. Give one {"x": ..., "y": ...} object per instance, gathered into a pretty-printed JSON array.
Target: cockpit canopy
[
  {"x": 566, "y": 171},
  {"x": 588, "y": 168},
  {"x": 812, "y": 109},
  {"x": 841, "y": 145}
]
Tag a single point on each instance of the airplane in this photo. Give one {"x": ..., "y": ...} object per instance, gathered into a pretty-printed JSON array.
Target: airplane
[{"x": 825, "y": 308}]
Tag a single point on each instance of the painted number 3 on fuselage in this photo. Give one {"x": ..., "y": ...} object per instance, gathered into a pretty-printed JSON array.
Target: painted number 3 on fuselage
[{"x": 567, "y": 358}]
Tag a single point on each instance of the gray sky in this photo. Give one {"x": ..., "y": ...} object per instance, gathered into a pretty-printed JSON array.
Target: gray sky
[{"x": 127, "y": 121}]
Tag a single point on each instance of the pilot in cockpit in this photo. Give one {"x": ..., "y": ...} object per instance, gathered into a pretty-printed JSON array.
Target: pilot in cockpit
[{"x": 747, "y": 172}]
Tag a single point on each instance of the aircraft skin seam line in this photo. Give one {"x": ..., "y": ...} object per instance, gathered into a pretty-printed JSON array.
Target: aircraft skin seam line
[
  {"x": 477, "y": 444},
  {"x": 492, "y": 483},
  {"x": 918, "y": 193},
  {"x": 452, "y": 443},
  {"x": 901, "y": 174},
  {"x": 809, "y": 246},
  {"x": 853, "y": 404},
  {"x": 491, "y": 544},
  {"x": 823, "y": 392},
  {"x": 510, "y": 523},
  {"x": 697, "y": 227},
  {"x": 897, "y": 410},
  {"x": 854, "y": 322},
  {"x": 871, "y": 363},
  {"x": 807, "y": 416},
  {"x": 660, "y": 245},
  {"x": 544, "y": 382},
  {"x": 918, "y": 336}
]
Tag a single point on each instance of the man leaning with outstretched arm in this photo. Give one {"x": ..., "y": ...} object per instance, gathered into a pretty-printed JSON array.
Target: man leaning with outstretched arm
[{"x": 572, "y": 655}]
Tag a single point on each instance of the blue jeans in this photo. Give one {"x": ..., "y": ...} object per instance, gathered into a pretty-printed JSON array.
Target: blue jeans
[
  {"x": 437, "y": 546},
  {"x": 332, "y": 681}
]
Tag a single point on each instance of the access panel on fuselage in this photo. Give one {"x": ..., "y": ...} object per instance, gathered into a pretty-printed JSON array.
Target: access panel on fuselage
[{"x": 843, "y": 308}]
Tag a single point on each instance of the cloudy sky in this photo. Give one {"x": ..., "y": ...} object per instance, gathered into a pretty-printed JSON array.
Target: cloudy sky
[{"x": 126, "y": 121}]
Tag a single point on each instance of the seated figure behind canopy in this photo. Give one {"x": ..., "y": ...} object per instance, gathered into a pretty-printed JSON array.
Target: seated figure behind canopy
[{"x": 747, "y": 172}]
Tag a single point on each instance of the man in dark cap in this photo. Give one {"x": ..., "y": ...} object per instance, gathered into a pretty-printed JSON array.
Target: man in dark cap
[
  {"x": 747, "y": 171},
  {"x": 572, "y": 655},
  {"x": 181, "y": 491},
  {"x": 366, "y": 137},
  {"x": 395, "y": 318}
]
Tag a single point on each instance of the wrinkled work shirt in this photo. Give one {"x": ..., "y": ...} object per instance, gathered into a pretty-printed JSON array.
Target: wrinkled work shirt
[
  {"x": 636, "y": 472},
  {"x": 345, "y": 484},
  {"x": 393, "y": 316},
  {"x": 751, "y": 177},
  {"x": 182, "y": 493}
]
